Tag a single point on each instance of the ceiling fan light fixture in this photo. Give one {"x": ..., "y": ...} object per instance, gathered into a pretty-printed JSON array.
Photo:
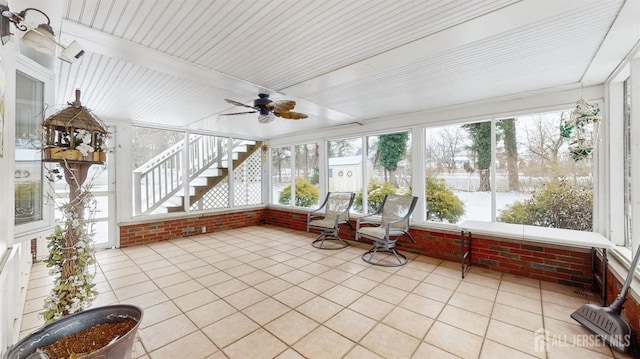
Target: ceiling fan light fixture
[{"x": 266, "y": 118}]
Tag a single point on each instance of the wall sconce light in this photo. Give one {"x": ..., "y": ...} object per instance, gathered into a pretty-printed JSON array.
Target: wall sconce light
[{"x": 42, "y": 38}]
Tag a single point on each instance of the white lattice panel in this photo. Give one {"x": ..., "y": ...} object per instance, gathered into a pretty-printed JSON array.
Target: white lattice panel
[
  {"x": 247, "y": 181},
  {"x": 217, "y": 197}
]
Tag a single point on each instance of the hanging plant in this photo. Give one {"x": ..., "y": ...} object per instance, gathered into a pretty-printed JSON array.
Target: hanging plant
[{"x": 580, "y": 129}]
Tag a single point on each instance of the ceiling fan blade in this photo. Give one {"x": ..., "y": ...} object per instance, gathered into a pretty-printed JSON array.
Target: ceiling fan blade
[
  {"x": 282, "y": 105},
  {"x": 281, "y": 109},
  {"x": 290, "y": 115},
  {"x": 237, "y": 113},
  {"x": 239, "y": 103}
]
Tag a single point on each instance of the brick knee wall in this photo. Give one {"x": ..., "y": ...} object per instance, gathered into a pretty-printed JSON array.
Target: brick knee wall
[
  {"x": 553, "y": 264},
  {"x": 163, "y": 230}
]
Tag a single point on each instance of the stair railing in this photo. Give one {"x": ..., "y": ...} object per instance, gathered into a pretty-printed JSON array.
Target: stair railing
[{"x": 162, "y": 177}]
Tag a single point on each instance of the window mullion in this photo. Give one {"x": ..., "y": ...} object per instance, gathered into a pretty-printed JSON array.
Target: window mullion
[{"x": 493, "y": 169}]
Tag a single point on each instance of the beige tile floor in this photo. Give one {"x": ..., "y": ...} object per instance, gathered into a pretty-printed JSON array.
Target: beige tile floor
[{"x": 265, "y": 292}]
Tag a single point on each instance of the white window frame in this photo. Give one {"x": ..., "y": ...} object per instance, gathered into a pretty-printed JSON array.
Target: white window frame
[{"x": 30, "y": 230}]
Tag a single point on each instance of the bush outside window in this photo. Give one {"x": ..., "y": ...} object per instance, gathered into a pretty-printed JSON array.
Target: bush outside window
[{"x": 388, "y": 169}]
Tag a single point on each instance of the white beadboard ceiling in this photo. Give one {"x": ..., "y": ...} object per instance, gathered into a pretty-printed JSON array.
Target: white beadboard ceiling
[{"x": 173, "y": 63}]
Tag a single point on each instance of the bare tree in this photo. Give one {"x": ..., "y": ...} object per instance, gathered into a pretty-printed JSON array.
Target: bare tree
[
  {"x": 448, "y": 145},
  {"x": 340, "y": 148},
  {"x": 307, "y": 161},
  {"x": 147, "y": 143},
  {"x": 543, "y": 141},
  {"x": 280, "y": 156}
]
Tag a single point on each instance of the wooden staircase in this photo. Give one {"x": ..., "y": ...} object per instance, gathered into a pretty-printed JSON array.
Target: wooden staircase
[
  {"x": 159, "y": 183},
  {"x": 212, "y": 180}
]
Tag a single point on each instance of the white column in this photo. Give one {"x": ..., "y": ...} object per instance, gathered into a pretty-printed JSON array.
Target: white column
[
  {"x": 418, "y": 173},
  {"x": 635, "y": 152}
]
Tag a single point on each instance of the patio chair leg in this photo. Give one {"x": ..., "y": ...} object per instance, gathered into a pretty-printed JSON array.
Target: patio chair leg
[
  {"x": 329, "y": 235},
  {"x": 402, "y": 259},
  {"x": 372, "y": 252}
]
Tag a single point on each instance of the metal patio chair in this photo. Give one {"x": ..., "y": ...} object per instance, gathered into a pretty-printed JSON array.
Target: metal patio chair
[
  {"x": 385, "y": 227},
  {"x": 333, "y": 212}
]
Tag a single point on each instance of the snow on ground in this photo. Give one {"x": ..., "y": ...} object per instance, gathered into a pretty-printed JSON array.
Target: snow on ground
[{"x": 477, "y": 205}]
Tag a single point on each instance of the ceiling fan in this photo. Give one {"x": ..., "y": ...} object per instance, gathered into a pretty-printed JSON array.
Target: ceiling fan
[{"x": 268, "y": 110}]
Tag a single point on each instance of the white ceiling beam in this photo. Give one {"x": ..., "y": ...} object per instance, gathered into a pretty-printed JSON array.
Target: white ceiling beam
[
  {"x": 106, "y": 44},
  {"x": 99, "y": 42},
  {"x": 501, "y": 21},
  {"x": 620, "y": 40}
]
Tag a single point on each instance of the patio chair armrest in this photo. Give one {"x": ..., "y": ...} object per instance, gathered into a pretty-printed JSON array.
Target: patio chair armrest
[{"x": 390, "y": 223}]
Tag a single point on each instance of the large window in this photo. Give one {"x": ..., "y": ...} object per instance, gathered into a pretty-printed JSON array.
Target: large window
[
  {"x": 345, "y": 166},
  {"x": 157, "y": 159},
  {"x": 542, "y": 183},
  {"x": 457, "y": 172},
  {"x": 307, "y": 175},
  {"x": 388, "y": 169},
  {"x": 281, "y": 175},
  {"x": 171, "y": 174},
  {"x": 515, "y": 170},
  {"x": 304, "y": 167},
  {"x": 28, "y": 165}
]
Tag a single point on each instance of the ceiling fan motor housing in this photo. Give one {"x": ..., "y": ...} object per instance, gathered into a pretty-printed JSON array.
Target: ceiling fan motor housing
[{"x": 261, "y": 102}]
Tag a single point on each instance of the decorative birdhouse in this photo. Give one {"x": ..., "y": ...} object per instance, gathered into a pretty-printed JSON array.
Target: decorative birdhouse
[
  {"x": 74, "y": 134},
  {"x": 582, "y": 129}
]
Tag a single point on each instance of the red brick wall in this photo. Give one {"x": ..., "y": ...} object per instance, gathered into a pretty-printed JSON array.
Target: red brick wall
[
  {"x": 560, "y": 265},
  {"x": 571, "y": 267},
  {"x": 169, "y": 229},
  {"x": 293, "y": 220}
]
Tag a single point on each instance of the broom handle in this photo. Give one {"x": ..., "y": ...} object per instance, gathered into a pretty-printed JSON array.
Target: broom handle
[{"x": 617, "y": 304}]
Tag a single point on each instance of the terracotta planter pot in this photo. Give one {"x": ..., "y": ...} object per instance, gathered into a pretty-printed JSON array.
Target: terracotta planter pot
[{"x": 120, "y": 348}]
